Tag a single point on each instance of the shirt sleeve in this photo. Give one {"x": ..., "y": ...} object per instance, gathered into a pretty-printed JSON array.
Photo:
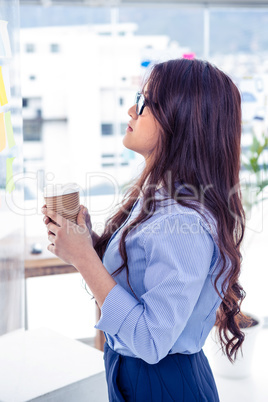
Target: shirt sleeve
[{"x": 178, "y": 260}]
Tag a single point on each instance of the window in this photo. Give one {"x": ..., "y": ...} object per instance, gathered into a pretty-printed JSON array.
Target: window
[
  {"x": 39, "y": 113},
  {"x": 108, "y": 155},
  {"x": 32, "y": 130},
  {"x": 54, "y": 48},
  {"x": 105, "y": 165},
  {"x": 32, "y": 77},
  {"x": 30, "y": 48},
  {"x": 121, "y": 101},
  {"x": 25, "y": 102},
  {"x": 107, "y": 129}
]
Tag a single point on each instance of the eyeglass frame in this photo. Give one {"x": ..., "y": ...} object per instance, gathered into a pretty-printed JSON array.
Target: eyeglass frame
[{"x": 140, "y": 97}]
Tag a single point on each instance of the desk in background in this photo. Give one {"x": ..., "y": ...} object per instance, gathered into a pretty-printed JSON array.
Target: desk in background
[
  {"x": 44, "y": 263},
  {"x": 42, "y": 365}
]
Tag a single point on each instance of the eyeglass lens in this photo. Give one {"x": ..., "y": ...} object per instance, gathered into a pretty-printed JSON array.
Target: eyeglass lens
[{"x": 139, "y": 103}]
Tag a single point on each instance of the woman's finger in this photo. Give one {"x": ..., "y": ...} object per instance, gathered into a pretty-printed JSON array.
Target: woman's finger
[
  {"x": 46, "y": 219},
  {"x": 51, "y": 227},
  {"x": 51, "y": 248},
  {"x": 51, "y": 238},
  {"x": 57, "y": 218}
]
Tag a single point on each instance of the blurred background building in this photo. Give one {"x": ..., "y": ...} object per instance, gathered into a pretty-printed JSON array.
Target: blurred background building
[{"x": 78, "y": 83}]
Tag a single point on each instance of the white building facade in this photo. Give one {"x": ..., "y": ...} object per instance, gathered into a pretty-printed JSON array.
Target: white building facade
[{"x": 77, "y": 85}]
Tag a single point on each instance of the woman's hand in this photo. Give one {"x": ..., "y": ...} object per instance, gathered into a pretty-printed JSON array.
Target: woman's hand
[
  {"x": 93, "y": 235},
  {"x": 69, "y": 241}
]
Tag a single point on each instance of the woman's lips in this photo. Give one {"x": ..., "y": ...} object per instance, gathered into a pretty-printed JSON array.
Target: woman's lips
[{"x": 129, "y": 129}]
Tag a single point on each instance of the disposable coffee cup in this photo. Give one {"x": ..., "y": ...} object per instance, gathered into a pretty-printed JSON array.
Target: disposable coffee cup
[{"x": 63, "y": 199}]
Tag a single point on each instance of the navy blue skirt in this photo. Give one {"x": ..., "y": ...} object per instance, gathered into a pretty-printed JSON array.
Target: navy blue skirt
[{"x": 176, "y": 378}]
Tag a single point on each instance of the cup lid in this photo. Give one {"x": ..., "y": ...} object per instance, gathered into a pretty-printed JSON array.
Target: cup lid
[{"x": 53, "y": 190}]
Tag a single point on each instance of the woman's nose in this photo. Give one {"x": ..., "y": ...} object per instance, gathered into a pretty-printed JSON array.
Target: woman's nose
[{"x": 132, "y": 112}]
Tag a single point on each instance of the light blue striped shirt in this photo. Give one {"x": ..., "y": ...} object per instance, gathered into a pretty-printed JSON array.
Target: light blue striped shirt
[{"x": 171, "y": 259}]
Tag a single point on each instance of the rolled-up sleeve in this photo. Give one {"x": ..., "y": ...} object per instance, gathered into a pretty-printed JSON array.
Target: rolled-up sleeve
[{"x": 178, "y": 259}]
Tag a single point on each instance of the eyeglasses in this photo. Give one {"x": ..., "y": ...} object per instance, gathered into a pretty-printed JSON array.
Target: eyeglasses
[{"x": 140, "y": 103}]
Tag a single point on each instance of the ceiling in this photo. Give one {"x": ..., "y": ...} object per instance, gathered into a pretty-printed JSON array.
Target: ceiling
[{"x": 107, "y": 3}]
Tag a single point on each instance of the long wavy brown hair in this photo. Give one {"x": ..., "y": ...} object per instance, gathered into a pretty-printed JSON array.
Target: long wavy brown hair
[{"x": 199, "y": 111}]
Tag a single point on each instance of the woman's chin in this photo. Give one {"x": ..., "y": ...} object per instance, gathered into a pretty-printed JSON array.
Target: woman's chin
[{"x": 126, "y": 143}]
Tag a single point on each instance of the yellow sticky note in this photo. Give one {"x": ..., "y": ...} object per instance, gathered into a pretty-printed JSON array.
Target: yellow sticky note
[
  {"x": 9, "y": 130},
  {"x": 2, "y": 133},
  {"x": 9, "y": 178},
  {"x": 3, "y": 95}
]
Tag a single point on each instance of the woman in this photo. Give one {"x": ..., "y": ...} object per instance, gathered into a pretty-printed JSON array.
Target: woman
[{"x": 169, "y": 260}]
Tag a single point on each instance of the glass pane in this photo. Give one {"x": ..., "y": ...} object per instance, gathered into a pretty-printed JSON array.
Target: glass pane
[
  {"x": 75, "y": 106},
  {"x": 11, "y": 167},
  {"x": 238, "y": 45}
]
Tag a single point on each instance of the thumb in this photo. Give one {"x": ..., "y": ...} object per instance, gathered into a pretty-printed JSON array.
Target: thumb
[{"x": 81, "y": 217}]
